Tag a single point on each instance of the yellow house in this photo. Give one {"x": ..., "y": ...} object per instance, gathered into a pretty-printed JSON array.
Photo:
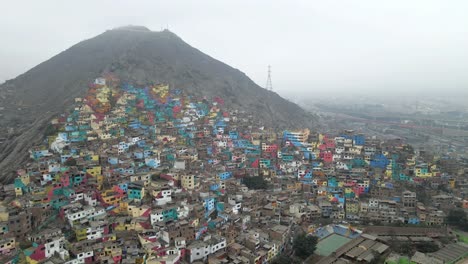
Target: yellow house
[
  {"x": 18, "y": 191},
  {"x": 95, "y": 157},
  {"x": 111, "y": 197},
  {"x": 29, "y": 260},
  {"x": 411, "y": 161},
  {"x": 388, "y": 173},
  {"x": 123, "y": 206},
  {"x": 137, "y": 211},
  {"x": 452, "y": 183},
  {"x": 189, "y": 182},
  {"x": 112, "y": 249},
  {"x": 146, "y": 178},
  {"x": 320, "y": 137},
  {"x": 422, "y": 172},
  {"x": 100, "y": 181},
  {"x": 25, "y": 179},
  {"x": 195, "y": 222},
  {"x": 348, "y": 190},
  {"x": 352, "y": 207},
  {"x": 103, "y": 94},
  {"x": 7, "y": 245},
  {"x": 94, "y": 171},
  {"x": 161, "y": 89},
  {"x": 130, "y": 224},
  {"x": 272, "y": 252},
  {"x": 212, "y": 115},
  {"x": 38, "y": 192},
  {"x": 81, "y": 233}
]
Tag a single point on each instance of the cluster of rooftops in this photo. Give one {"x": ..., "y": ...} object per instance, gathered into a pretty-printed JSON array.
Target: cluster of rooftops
[{"x": 154, "y": 175}]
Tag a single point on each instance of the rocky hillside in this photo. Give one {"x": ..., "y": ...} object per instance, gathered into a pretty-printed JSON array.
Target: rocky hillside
[{"x": 138, "y": 55}]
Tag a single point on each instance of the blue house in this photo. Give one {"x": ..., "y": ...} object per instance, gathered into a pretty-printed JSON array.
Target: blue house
[
  {"x": 138, "y": 155},
  {"x": 214, "y": 187},
  {"x": 359, "y": 140},
  {"x": 135, "y": 191},
  {"x": 379, "y": 161},
  {"x": 153, "y": 163},
  {"x": 209, "y": 205},
  {"x": 65, "y": 157},
  {"x": 123, "y": 186},
  {"x": 225, "y": 175},
  {"x": 113, "y": 160},
  {"x": 233, "y": 134},
  {"x": 413, "y": 220}
]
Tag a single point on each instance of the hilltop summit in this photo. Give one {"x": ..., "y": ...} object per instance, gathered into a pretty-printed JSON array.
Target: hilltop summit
[
  {"x": 133, "y": 27},
  {"x": 137, "y": 55}
]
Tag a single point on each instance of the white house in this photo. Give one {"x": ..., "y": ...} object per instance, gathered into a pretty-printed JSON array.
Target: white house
[
  {"x": 163, "y": 197},
  {"x": 56, "y": 245},
  {"x": 199, "y": 250}
]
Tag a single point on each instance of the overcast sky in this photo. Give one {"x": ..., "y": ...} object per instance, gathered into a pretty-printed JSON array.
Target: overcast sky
[{"x": 333, "y": 46}]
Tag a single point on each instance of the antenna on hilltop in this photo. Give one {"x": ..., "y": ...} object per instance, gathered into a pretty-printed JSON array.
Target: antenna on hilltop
[{"x": 269, "y": 85}]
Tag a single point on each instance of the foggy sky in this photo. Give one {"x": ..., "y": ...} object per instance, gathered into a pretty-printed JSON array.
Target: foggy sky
[{"x": 313, "y": 46}]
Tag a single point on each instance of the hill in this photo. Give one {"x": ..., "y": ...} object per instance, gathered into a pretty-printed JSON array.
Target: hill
[{"x": 137, "y": 55}]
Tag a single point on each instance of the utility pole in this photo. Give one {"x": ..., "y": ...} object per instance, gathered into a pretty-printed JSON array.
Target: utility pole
[{"x": 269, "y": 85}]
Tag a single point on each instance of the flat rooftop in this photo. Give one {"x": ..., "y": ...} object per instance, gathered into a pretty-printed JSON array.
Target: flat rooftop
[{"x": 330, "y": 244}]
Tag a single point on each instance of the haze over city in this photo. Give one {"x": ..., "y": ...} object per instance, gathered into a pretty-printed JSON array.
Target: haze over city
[
  {"x": 313, "y": 46},
  {"x": 153, "y": 132}
]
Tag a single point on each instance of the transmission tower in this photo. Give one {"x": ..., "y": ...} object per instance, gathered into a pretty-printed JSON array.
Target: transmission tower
[{"x": 269, "y": 85}]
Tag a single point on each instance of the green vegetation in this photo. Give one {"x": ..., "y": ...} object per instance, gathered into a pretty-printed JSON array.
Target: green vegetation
[
  {"x": 458, "y": 218},
  {"x": 461, "y": 237},
  {"x": 155, "y": 177},
  {"x": 285, "y": 259},
  {"x": 255, "y": 182},
  {"x": 421, "y": 193},
  {"x": 426, "y": 247},
  {"x": 404, "y": 260},
  {"x": 304, "y": 245},
  {"x": 70, "y": 162},
  {"x": 50, "y": 130},
  {"x": 378, "y": 258}
]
